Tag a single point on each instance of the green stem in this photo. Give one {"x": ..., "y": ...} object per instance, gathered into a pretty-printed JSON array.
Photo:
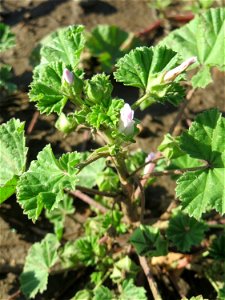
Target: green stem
[
  {"x": 142, "y": 99},
  {"x": 103, "y": 279}
]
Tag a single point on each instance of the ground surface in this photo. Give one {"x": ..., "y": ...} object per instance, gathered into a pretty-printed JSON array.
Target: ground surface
[{"x": 31, "y": 21}]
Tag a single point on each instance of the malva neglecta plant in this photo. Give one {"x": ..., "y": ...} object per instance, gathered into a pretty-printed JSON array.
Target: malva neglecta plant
[{"x": 116, "y": 177}]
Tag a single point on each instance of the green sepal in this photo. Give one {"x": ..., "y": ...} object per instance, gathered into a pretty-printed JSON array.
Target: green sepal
[
  {"x": 74, "y": 90},
  {"x": 66, "y": 123}
]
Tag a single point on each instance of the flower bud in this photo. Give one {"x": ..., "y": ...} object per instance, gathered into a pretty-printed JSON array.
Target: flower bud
[
  {"x": 66, "y": 124},
  {"x": 172, "y": 74},
  {"x": 149, "y": 158},
  {"x": 126, "y": 124},
  {"x": 68, "y": 76}
]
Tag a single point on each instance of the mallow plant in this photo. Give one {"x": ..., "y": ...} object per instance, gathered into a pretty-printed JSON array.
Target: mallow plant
[{"x": 115, "y": 178}]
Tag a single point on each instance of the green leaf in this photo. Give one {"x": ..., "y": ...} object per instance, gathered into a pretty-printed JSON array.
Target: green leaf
[
  {"x": 125, "y": 268},
  {"x": 88, "y": 175},
  {"x": 7, "y": 38},
  {"x": 184, "y": 161},
  {"x": 185, "y": 231},
  {"x": 103, "y": 292},
  {"x": 46, "y": 88},
  {"x": 44, "y": 183},
  {"x": 98, "y": 89},
  {"x": 108, "y": 180},
  {"x": 57, "y": 216},
  {"x": 203, "y": 190},
  {"x": 41, "y": 257},
  {"x": 131, "y": 291},
  {"x": 83, "y": 251},
  {"x": 147, "y": 240},
  {"x": 88, "y": 250},
  {"x": 145, "y": 68},
  {"x": 108, "y": 43},
  {"x": 203, "y": 37},
  {"x": 170, "y": 147},
  {"x": 13, "y": 156},
  {"x": 202, "y": 78},
  {"x": 217, "y": 248},
  {"x": 64, "y": 45},
  {"x": 5, "y": 76},
  {"x": 83, "y": 295},
  {"x": 100, "y": 116}
]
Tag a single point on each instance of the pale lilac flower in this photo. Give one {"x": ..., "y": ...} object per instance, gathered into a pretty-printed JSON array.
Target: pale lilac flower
[
  {"x": 172, "y": 74},
  {"x": 126, "y": 124},
  {"x": 68, "y": 76}
]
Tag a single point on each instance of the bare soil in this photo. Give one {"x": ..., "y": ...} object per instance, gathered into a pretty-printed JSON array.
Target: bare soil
[{"x": 31, "y": 21}]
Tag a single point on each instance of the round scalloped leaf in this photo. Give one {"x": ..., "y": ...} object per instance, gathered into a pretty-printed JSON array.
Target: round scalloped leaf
[
  {"x": 41, "y": 257},
  {"x": 131, "y": 291},
  {"x": 64, "y": 45},
  {"x": 203, "y": 190},
  {"x": 13, "y": 156},
  {"x": 46, "y": 88},
  {"x": 147, "y": 240},
  {"x": 203, "y": 37},
  {"x": 137, "y": 67},
  {"x": 185, "y": 231},
  {"x": 109, "y": 43},
  {"x": 44, "y": 183},
  {"x": 144, "y": 68}
]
